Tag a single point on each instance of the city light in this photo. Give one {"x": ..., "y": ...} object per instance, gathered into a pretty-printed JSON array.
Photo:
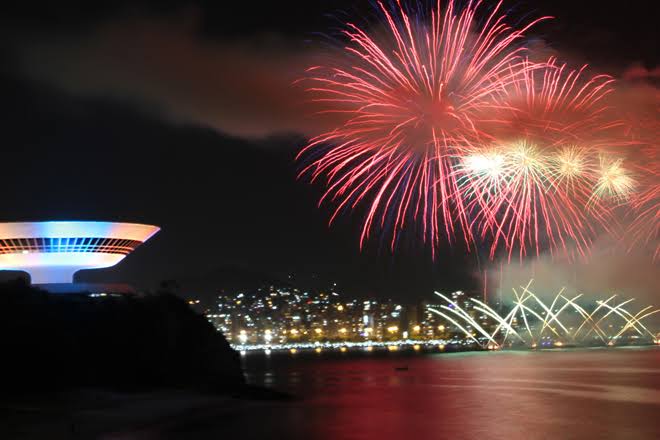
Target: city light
[
  {"x": 280, "y": 316},
  {"x": 243, "y": 337}
]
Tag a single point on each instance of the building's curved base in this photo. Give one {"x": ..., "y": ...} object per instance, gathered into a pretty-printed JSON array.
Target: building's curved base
[
  {"x": 56, "y": 267},
  {"x": 93, "y": 289}
]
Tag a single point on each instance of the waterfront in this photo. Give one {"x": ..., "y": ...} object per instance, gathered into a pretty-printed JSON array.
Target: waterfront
[{"x": 567, "y": 394}]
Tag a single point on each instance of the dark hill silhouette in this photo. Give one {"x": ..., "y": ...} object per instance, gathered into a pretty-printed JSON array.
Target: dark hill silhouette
[{"x": 128, "y": 342}]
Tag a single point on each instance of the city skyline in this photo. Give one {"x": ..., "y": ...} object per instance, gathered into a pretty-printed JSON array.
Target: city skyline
[{"x": 284, "y": 317}]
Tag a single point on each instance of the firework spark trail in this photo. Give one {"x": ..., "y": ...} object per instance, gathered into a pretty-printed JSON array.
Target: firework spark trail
[
  {"x": 586, "y": 318},
  {"x": 644, "y": 229},
  {"x": 413, "y": 99},
  {"x": 561, "y": 106},
  {"x": 590, "y": 318},
  {"x": 455, "y": 309},
  {"x": 503, "y": 326},
  {"x": 642, "y": 127},
  {"x": 459, "y": 326},
  {"x": 615, "y": 181},
  {"x": 631, "y": 319},
  {"x": 524, "y": 315},
  {"x": 532, "y": 186},
  {"x": 637, "y": 318}
]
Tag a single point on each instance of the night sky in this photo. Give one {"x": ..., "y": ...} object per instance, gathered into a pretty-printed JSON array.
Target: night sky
[{"x": 231, "y": 209}]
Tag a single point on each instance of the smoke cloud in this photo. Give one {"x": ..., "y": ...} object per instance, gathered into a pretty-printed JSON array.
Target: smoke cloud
[
  {"x": 608, "y": 271},
  {"x": 240, "y": 88}
]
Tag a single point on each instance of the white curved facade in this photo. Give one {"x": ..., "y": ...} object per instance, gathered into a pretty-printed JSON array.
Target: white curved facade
[{"x": 52, "y": 252}]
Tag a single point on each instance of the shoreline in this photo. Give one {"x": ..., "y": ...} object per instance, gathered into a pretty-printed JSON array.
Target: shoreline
[{"x": 411, "y": 346}]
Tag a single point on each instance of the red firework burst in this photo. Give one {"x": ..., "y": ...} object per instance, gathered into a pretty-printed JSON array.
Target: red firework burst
[
  {"x": 543, "y": 182},
  {"x": 413, "y": 99},
  {"x": 645, "y": 228}
]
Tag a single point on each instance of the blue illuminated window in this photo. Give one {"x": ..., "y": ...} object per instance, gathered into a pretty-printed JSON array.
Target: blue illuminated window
[{"x": 68, "y": 244}]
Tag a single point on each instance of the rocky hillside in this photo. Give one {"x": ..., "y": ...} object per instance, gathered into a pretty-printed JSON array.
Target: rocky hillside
[{"x": 127, "y": 343}]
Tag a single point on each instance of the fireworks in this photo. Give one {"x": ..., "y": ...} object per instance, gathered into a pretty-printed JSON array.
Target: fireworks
[
  {"x": 525, "y": 196},
  {"x": 614, "y": 180},
  {"x": 549, "y": 192},
  {"x": 570, "y": 164},
  {"x": 645, "y": 226},
  {"x": 446, "y": 127},
  {"x": 557, "y": 106},
  {"x": 412, "y": 99},
  {"x": 530, "y": 320}
]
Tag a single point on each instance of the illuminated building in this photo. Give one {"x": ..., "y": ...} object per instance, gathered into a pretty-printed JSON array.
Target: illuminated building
[{"x": 52, "y": 252}]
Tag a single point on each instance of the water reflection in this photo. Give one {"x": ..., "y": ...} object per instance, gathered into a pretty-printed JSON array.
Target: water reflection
[{"x": 605, "y": 394}]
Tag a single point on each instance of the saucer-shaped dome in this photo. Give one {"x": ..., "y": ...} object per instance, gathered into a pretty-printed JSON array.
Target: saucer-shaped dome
[{"x": 51, "y": 252}]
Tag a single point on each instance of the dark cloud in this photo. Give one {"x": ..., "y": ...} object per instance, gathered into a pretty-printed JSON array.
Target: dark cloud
[{"x": 242, "y": 88}]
